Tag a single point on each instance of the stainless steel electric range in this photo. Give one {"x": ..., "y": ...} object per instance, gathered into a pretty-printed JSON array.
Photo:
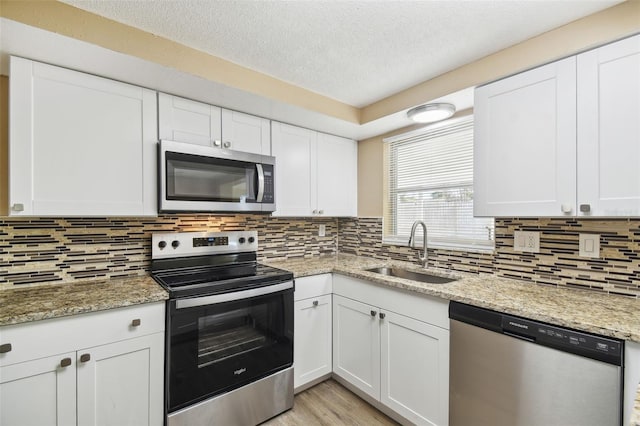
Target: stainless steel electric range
[{"x": 229, "y": 349}]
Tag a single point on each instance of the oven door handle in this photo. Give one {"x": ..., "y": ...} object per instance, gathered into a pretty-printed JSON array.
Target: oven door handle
[
  {"x": 229, "y": 297},
  {"x": 260, "y": 193}
]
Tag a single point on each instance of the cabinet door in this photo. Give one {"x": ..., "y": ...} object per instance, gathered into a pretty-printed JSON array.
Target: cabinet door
[
  {"x": 122, "y": 383},
  {"x": 609, "y": 130},
  {"x": 184, "y": 120},
  {"x": 295, "y": 152},
  {"x": 337, "y": 179},
  {"x": 525, "y": 143},
  {"x": 80, "y": 144},
  {"x": 244, "y": 132},
  {"x": 415, "y": 369},
  {"x": 312, "y": 343},
  {"x": 39, "y": 392},
  {"x": 356, "y": 344}
]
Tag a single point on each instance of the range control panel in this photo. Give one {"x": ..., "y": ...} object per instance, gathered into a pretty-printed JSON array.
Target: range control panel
[
  {"x": 570, "y": 340},
  {"x": 182, "y": 244}
]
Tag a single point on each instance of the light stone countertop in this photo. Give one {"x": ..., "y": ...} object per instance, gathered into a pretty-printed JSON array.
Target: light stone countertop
[
  {"x": 62, "y": 299},
  {"x": 608, "y": 315}
]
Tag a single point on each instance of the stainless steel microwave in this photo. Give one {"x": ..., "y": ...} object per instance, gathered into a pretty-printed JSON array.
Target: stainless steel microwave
[{"x": 196, "y": 178}]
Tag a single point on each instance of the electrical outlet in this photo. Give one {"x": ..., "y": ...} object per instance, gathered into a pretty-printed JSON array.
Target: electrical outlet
[
  {"x": 526, "y": 241},
  {"x": 322, "y": 229},
  {"x": 589, "y": 245}
]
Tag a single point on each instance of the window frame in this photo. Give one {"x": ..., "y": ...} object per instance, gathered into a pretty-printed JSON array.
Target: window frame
[{"x": 481, "y": 246}]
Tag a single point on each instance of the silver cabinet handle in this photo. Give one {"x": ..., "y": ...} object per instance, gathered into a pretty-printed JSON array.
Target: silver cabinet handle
[
  {"x": 320, "y": 211},
  {"x": 85, "y": 357},
  {"x": 17, "y": 207},
  {"x": 382, "y": 315},
  {"x": 5, "y": 348},
  {"x": 315, "y": 303},
  {"x": 373, "y": 313},
  {"x": 585, "y": 208},
  {"x": 315, "y": 212},
  {"x": 136, "y": 322},
  {"x": 217, "y": 143},
  {"x": 65, "y": 362},
  {"x": 227, "y": 144}
]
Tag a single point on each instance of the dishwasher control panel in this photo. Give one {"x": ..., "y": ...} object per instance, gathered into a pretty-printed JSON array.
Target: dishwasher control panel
[{"x": 573, "y": 341}]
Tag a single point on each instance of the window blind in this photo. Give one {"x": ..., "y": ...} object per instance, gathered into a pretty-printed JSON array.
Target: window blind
[{"x": 430, "y": 178}]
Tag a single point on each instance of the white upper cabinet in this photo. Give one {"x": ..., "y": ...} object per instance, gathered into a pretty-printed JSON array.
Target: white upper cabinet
[
  {"x": 295, "y": 150},
  {"x": 184, "y": 120},
  {"x": 562, "y": 139},
  {"x": 337, "y": 179},
  {"x": 79, "y": 145},
  {"x": 525, "y": 143},
  {"x": 609, "y": 130},
  {"x": 244, "y": 132},
  {"x": 316, "y": 173}
]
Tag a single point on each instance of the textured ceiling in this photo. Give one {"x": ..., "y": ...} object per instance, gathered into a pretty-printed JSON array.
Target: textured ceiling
[{"x": 357, "y": 52}]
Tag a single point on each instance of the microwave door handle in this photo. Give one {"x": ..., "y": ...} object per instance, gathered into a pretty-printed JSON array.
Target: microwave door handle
[{"x": 260, "y": 193}]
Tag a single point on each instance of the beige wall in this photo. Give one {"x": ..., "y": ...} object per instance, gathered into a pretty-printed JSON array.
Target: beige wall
[
  {"x": 610, "y": 24},
  {"x": 597, "y": 29},
  {"x": 76, "y": 23}
]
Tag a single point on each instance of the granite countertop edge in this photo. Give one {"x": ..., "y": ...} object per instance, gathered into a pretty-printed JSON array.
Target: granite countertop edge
[
  {"x": 23, "y": 305},
  {"x": 607, "y": 315}
]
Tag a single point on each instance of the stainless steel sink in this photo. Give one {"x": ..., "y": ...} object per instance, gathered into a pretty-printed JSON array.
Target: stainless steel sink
[{"x": 411, "y": 275}]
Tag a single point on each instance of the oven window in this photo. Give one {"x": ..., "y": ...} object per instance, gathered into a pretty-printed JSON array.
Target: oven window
[
  {"x": 218, "y": 347},
  {"x": 229, "y": 334},
  {"x": 195, "y": 178}
]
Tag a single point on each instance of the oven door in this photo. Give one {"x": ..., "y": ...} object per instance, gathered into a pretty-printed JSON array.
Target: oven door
[
  {"x": 221, "y": 342},
  {"x": 200, "y": 178}
]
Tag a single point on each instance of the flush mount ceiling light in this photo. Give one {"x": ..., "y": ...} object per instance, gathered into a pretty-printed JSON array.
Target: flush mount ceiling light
[{"x": 430, "y": 113}]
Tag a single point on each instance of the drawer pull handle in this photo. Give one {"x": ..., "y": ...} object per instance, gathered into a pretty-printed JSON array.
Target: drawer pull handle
[
  {"x": 382, "y": 315},
  {"x": 315, "y": 303},
  {"x": 5, "y": 348},
  {"x": 373, "y": 313},
  {"x": 135, "y": 323},
  {"x": 65, "y": 362},
  {"x": 85, "y": 357}
]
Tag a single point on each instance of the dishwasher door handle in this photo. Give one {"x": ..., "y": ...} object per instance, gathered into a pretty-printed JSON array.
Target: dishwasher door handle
[{"x": 519, "y": 336}]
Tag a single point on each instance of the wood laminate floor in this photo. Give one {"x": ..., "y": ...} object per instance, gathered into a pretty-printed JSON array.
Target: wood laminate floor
[{"x": 330, "y": 403}]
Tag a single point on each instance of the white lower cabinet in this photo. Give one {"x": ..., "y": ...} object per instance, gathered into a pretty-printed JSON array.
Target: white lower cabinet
[
  {"x": 117, "y": 379},
  {"x": 312, "y": 342},
  {"x": 356, "y": 344},
  {"x": 38, "y": 392},
  {"x": 400, "y": 360},
  {"x": 414, "y": 369}
]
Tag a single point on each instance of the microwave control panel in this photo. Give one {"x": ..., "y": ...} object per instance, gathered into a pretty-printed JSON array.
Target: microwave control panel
[{"x": 268, "y": 196}]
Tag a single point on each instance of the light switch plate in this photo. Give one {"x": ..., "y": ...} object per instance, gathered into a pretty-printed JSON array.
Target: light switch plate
[
  {"x": 589, "y": 245},
  {"x": 322, "y": 229},
  {"x": 526, "y": 241}
]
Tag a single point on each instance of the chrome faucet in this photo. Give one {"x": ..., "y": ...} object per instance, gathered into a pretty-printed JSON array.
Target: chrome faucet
[{"x": 423, "y": 259}]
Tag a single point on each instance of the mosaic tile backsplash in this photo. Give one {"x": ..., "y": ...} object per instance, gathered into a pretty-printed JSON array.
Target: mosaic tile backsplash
[
  {"x": 617, "y": 271},
  {"x": 44, "y": 250},
  {"x": 39, "y": 250}
]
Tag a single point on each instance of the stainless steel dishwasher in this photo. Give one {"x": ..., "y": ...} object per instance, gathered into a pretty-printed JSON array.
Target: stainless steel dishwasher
[{"x": 510, "y": 371}]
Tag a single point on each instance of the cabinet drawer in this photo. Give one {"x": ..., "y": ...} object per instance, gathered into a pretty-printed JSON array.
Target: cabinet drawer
[
  {"x": 67, "y": 334},
  {"x": 315, "y": 285}
]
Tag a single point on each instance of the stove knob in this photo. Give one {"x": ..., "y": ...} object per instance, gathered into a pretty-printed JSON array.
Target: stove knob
[
  {"x": 175, "y": 244},
  {"x": 241, "y": 240},
  {"x": 162, "y": 244},
  {"x": 251, "y": 239}
]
